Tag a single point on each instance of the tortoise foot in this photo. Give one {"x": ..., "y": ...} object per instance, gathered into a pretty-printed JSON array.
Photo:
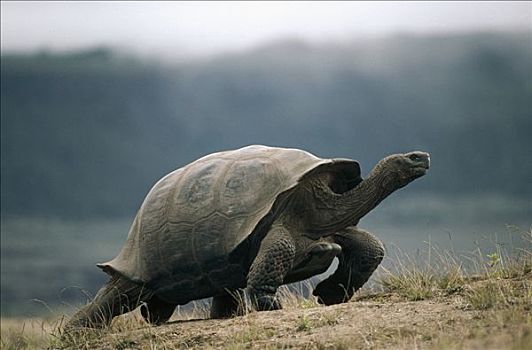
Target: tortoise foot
[
  {"x": 330, "y": 293},
  {"x": 266, "y": 302},
  {"x": 325, "y": 249}
]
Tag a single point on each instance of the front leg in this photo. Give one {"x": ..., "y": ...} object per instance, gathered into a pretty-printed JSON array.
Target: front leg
[
  {"x": 272, "y": 263},
  {"x": 361, "y": 255}
]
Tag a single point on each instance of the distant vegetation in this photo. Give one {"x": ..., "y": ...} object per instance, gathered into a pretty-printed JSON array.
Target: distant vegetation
[{"x": 86, "y": 134}]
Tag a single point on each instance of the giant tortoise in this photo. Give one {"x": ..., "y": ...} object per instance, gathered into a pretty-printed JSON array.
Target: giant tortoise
[{"x": 257, "y": 218}]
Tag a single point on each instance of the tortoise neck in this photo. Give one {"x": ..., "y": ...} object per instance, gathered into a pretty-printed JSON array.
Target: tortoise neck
[
  {"x": 379, "y": 184},
  {"x": 337, "y": 211}
]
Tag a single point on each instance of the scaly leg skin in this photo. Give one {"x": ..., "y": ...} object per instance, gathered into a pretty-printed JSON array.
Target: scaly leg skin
[
  {"x": 156, "y": 312},
  {"x": 361, "y": 255},
  {"x": 272, "y": 263},
  {"x": 231, "y": 303},
  {"x": 118, "y": 296}
]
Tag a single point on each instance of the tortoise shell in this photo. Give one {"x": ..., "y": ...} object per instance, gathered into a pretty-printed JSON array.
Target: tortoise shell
[{"x": 196, "y": 216}]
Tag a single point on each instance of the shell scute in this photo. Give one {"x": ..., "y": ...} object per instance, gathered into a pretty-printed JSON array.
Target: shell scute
[
  {"x": 247, "y": 186},
  {"x": 196, "y": 194}
]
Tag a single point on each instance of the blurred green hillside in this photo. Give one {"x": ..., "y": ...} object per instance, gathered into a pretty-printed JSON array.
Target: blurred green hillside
[{"x": 86, "y": 134}]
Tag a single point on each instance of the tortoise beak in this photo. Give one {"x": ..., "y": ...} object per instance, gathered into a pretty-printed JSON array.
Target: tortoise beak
[
  {"x": 420, "y": 162},
  {"x": 425, "y": 160}
]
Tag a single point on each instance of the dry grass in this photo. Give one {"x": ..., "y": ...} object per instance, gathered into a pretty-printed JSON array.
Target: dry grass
[
  {"x": 432, "y": 304},
  {"x": 29, "y": 333},
  {"x": 443, "y": 273}
]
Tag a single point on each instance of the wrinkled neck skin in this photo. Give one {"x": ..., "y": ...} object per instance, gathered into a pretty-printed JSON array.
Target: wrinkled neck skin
[{"x": 333, "y": 211}]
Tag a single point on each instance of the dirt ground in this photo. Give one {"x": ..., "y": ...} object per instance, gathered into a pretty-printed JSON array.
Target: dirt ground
[
  {"x": 356, "y": 325},
  {"x": 383, "y": 321},
  {"x": 377, "y": 321}
]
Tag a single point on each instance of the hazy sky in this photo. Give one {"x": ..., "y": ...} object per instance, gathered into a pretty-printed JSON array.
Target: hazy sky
[{"x": 179, "y": 28}]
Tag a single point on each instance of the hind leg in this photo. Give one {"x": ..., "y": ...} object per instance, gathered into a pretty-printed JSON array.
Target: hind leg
[
  {"x": 229, "y": 304},
  {"x": 361, "y": 255},
  {"x": 118, "y": 296},
  {"x": 156, "y": 311}
]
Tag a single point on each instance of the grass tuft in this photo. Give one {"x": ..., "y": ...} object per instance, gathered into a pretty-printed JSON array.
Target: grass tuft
[
  {"x": 442, "y": 274},
  {"x": 419, "y": 281},
  {"x": 303, "y": 323}
]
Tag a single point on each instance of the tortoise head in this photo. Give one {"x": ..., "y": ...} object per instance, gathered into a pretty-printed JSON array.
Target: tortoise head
[{"x": 403, "y": 168}]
